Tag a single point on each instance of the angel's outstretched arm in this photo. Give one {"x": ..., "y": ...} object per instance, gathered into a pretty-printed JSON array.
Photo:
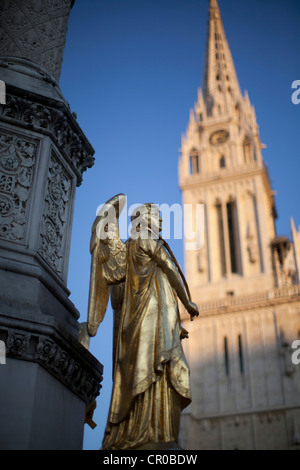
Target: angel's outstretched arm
[
  {"x": 164, "y": 261},
  {"x": 168, "y": 267}
]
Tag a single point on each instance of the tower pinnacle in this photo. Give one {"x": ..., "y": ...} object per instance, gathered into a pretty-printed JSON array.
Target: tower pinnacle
[
  {"x": 220, "y": 85},
  {"x": 214, "y": 8}
]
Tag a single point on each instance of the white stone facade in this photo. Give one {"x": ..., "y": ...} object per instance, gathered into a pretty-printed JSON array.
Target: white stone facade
[{"x": 245, "y": 279}]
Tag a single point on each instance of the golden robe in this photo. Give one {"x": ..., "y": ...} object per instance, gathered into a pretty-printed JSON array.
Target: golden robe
[{"x": 151, "y": 376}]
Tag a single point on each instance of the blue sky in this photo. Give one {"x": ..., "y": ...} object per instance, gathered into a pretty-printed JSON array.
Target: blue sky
[{"x": 131, "y": 72}]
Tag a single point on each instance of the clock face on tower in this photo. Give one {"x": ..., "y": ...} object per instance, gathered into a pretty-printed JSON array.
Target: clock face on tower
[{"x": 219, "y": 137}]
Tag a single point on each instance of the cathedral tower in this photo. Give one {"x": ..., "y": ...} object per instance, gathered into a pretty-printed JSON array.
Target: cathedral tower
[{"x": 244, "y": 279}]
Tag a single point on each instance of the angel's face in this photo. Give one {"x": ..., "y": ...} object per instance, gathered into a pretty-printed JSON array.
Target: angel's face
[
  {"x": 155, "y": 221},
  {"x": 147, "y": 217}
]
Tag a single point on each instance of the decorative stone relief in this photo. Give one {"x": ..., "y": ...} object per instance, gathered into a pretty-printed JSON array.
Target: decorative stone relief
[
  {"x": 55, "y": 119},
  {"x": 36, "y": 30},
  {"x": 55, "y": 215},
  {"x": 284, "y": 263},
  {"x": 286, "y": 354},
  {"x": 289, "y": 268},
  {"x": 17, "y": 344},
  {"x": 251, "y": 245},
  {"x": 67, "y": 367},
  {"x": 270, "y": 417},
  {"x": 17, "y": 159}
]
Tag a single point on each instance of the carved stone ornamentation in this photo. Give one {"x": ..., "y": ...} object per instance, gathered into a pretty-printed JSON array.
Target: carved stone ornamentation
[
  {"x": 35, "y": 29},
  {"x": 45, "y": 350},
  {"x": 286, "y": 354},
  {"x": 17, "y": 159},
  {"x": 67, "y": 365},
  {"x": 55, "y": 215},
  {"x": 43, "y": 154},
  {"x": 219, "y": 137},
  {"x": 51, "y": 118},
  {"x": 252, "y": 248},
  {"x": 17, "y": 344}
]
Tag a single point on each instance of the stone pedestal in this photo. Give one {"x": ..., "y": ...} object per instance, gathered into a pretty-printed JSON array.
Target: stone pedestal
[{"x": 48, "y": 377}]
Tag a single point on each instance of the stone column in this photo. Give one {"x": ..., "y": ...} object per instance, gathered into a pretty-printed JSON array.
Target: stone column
[
  {"x": 48, "y": 377},
  {"x": 36, "y": 30}
]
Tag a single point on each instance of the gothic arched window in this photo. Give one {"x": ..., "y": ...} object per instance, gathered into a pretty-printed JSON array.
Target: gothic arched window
[
  {"x": 221, "y": 238},
  {"x": 248, "y": 150},
  {"x": 194, "y": 163},
  {"x": 233, "y": 235},
  {"x": 238, "y": 113}
]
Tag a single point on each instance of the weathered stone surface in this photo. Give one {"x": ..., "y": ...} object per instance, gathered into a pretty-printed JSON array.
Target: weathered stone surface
[
  {"x": 35, "y": 30},
  {"x": 43, "y": 154},
  {"x": 35, "y": 103},
  {"x": 48, "y": 377},
  {"x": 58, "y": 353},
  {"x": 37, "y": 411}
]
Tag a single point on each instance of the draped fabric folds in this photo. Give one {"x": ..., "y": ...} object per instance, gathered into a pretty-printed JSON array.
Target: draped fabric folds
[{"x": 151, "y": 376}]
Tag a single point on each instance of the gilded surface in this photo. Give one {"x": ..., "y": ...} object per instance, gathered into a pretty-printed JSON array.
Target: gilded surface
[{"x": 151, "y": 376}]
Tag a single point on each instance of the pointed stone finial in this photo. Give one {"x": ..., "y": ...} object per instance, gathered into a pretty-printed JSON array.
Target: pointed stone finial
[
  {"x": 220, "y": 80},
  {"x": 214, "y": 9},
  {"x": 293, "y": 227},
  {"x": 192, "y": 116}
]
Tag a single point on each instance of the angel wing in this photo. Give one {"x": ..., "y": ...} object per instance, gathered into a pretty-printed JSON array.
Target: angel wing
[{"x": 108, "y": 264}]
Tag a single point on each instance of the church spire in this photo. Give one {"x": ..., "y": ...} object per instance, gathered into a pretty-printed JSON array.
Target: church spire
[
  {"x": 214, "y": 7},
  {"x": 220, "y": 86}
]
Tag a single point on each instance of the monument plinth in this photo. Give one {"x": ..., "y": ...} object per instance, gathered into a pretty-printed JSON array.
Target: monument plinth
[{"x": 48, "y": 378}]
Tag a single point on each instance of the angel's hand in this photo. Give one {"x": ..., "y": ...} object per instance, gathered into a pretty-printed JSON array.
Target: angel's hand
[
  {"x": 192, "y": 309},
  {"x": 183, "y": 333}
]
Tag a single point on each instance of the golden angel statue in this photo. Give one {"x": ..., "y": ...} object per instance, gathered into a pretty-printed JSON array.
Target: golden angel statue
[{"x": 150, "y": 372}]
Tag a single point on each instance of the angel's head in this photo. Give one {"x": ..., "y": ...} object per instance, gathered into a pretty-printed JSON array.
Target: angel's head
[{"x": 146, "y": 218}]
